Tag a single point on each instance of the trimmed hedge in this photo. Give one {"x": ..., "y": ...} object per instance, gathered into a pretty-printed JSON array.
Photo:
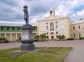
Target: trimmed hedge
[
  {"x": 81, "y": 38},
  {"x": 70, "y": 38}
]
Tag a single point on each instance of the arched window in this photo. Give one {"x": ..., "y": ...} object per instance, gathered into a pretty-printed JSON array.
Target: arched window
[
  {"x": 47, "y": 37},
  {"x": 51, "y": 26},
  {"x": 52, "y": 33},
  {"x": 56, "y": 32},
  {"x": 47, "y": 33}
]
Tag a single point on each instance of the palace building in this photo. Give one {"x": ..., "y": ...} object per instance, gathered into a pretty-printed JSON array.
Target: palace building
[
  {"x": 51, "y": 26},
  {"x": 54, "y": 25}
]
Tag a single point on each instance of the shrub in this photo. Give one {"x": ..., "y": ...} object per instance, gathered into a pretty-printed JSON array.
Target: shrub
[
  {"x": 40, "y": 37},
  {"x": 3, "y": 40},
  {"x": 81, "y": 38},
  {"x": 36, "y": 38},
  {"x": 61, "y": 37},
  {"x": 70, "y": 38},
  {"x": 43, "y": 37}
]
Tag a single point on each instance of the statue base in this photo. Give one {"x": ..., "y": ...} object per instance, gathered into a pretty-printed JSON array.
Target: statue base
[
  {"x": 28, "y": 46},
  {"x": 27, "y": 41}
]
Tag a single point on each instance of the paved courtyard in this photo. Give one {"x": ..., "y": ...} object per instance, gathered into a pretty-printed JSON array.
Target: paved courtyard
[{"x": 77, "y": 54}]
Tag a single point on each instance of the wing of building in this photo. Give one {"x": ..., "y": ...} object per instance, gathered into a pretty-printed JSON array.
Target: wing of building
[
  {"x": 78, "y": 29},
  {"x": 12, "y": 31},
  {"x": 54, "y": 25}
]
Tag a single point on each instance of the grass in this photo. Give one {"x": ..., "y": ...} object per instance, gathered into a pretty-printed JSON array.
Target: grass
[{"x": 46, "y": 54}]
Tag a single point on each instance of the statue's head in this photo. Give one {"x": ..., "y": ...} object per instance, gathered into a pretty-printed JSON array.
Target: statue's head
[{"x": 25, "y": 6}]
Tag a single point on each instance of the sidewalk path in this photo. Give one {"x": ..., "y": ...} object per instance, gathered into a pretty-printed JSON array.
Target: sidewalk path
[{"x": 77, "y": 54}]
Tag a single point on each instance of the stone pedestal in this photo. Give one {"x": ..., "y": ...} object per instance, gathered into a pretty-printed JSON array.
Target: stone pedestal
[{"x": 27, "y": 40}]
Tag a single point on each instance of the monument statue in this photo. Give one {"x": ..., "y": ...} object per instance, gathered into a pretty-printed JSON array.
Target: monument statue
[
  {"x": 27, "y": 40},
  {"x": 26, "y": 16}
]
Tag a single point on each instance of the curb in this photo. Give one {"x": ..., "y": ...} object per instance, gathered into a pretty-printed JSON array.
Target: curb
[{"x": 68, "y": 55}]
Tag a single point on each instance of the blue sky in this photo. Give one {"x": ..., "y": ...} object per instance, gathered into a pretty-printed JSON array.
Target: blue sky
[{"x": 12, "y": 10}]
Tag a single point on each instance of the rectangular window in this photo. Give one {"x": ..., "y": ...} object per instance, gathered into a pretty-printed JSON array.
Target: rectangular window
[
  {"x": 18, "y": 28},
  {"x": 46, "y": 26},
  {"x": 7, "y": 28},
  {"x": 56, "y": 25},
  {"x": 2, "y": 28},
  {"x": 79, "y": 26},
  {"x": 74, "y": 35},
  {"x": 13, "y": 28},
  {"x": 79, "y": 35},
  {"x": 74, "y": 27},
  {"x": 51, "y": 26}
]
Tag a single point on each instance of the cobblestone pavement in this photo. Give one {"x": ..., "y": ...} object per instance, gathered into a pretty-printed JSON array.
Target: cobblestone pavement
[{"x": 77, "y": 54}]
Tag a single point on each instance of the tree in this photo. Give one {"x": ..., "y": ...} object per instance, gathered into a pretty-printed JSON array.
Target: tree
[
  {"x": 61, "y": 37},
  {"x": 43, "y": 36},
  {"x": 36, "y": 37}
]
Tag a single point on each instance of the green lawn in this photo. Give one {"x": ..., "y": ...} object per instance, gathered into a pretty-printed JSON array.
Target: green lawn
[{"x": 47, "y": 54}]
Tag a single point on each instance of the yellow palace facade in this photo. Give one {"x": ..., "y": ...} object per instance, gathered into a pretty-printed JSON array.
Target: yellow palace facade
[{"x": 54, "y": 25}]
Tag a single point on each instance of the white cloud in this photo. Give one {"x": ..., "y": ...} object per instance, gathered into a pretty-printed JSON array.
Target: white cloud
[
  {"x": 63, "y": 8},
  {"x": 62, "y": 11},
  {"x": 80, "y": 13}
]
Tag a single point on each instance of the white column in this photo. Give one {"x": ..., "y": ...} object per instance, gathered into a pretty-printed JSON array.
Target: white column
[
  {"x": 11, "y": 36},
  {"x": 5, "y": 35},
  {"x": 16, "y": 36},
  {"x": 0, "y": 35}
]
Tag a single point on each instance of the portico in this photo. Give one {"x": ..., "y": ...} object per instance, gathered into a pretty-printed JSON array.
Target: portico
[{"x": 11, "y": 36}]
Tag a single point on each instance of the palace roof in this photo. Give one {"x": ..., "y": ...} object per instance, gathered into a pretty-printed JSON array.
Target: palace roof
[{"x": 9, "y": 23}]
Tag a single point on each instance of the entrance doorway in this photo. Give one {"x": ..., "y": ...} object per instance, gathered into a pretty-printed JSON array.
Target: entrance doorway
[{"x": 52, "y": 37}]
